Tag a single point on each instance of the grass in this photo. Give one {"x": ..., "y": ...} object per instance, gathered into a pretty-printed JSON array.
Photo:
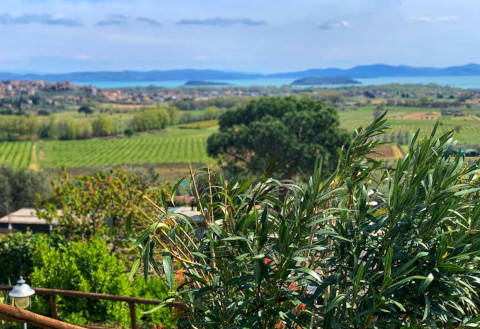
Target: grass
[
  {"x": 199, "y": 125},
  {"x": 469, "y": 126},
  {"x": 173, "y": 145}
]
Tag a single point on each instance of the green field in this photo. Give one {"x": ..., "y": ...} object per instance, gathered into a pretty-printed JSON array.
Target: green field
[
  {"x": 173, "y": 145},
  {"x": 469, "y": 126},
  {"x": 187, "y": 143}
]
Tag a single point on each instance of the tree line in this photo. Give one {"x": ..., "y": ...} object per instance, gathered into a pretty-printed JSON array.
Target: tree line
[{"x": 30, "y": 127}]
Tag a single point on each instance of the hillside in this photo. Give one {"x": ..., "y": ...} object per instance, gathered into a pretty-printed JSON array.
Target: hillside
[{"x": 364, "y": 71}]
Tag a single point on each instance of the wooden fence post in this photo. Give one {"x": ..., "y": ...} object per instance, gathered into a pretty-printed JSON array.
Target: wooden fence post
[
  {"x": 53, "y": 307},
  {"x": 133, "y": 316}
]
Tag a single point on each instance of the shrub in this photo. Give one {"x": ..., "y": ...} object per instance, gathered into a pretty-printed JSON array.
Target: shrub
[
  {"x": 129, "y": 132},
  {"x": 366, "y": 247},
  {"x": 20, "y": 188},
  {"x": 16, "y": 256},
  {"x": 105, "y": 203},
  {"x": 102, "y": 126},
  {"x": 52, "y": 262},
  {"x": 150, "y": 119},
  {"x": 153, "y": 288},
  {"x": 85, "y": 267}
]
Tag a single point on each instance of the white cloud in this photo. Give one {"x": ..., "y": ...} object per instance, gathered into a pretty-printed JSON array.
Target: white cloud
[
  {"x": 430, "y": 19},
  {"x": 45, "y": 19},
  {"x": 330, "y": 25}
]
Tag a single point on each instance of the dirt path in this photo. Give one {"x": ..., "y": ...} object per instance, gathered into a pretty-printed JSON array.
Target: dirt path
[{"x": 34, "y": 159}]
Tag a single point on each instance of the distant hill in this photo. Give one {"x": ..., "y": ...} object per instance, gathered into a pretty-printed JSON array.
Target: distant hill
[
  {"x": 111, "y": 76},
  {"x": 381, "y": 70},
  {"x": 365, "y": 71},
  {"x": 314, "y": 81}
]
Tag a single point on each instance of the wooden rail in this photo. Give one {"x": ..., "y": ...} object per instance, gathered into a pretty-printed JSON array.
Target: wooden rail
[
  {"x": 15, "y": 314},
  {"x": 131, "y": 301}
]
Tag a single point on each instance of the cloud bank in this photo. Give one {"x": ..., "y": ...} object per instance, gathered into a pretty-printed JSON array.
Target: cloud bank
[
  {"x": 45, "y": 19},
  {"x": 330, "y": 25},
  {"x": 429, "y": 19},
  {"x": 148, "y": 21},
  {"x": 222, "y": 22}
]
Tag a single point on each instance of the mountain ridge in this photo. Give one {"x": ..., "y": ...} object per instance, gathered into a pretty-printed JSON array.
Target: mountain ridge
[{"x": 360, "y": 71}]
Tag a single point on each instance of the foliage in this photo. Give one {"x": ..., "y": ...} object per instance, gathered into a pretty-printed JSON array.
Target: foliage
[
  {"x": 89, "y": 266},
  {"x": 52, "y": 262},
  {"x": 129, "y": 132},
  {"x": 18, "y": 127},
  {"x": 105, "y": 203},
  {"x": 199, "y": 125},
  {"x": 85, "y": 109},
  {"x": 153, "y": 288},
  {"x": 173, "y": 113},
  {"x": 212, "y": 112},
  {"x": 69, "y": 129},
  {"x": 291, "y": 130},
  {"x": 367, "y": 247},
  {"x": 150, "y": 119},
  {"x": 102, "y": 126},
  {"x": 16, "y": 255},
  {"x": 20, "y": 188}
]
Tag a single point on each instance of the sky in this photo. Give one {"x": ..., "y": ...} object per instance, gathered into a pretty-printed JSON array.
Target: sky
[{"x": 266, "y": 36}]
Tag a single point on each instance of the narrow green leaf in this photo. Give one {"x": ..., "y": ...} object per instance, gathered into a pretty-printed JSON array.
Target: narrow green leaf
[
  {"x": 167, "y": 268},
  {"x": 387, "y": 267},
  {"x": 425, "y": 283},
  {"x": 472, "y": 190},
  {"x": 335, "y": 301},
  {"x": 146, "y": 259}
]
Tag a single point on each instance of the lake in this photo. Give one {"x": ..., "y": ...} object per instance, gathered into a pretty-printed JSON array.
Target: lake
[{"x": 464, "y": 82}]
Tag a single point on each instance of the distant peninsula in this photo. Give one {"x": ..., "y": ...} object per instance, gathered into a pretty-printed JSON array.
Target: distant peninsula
[
  {"x": 199, "y": 83},
  {"x": 357, "y": 72},
  {"x": 315, "y": 81}
]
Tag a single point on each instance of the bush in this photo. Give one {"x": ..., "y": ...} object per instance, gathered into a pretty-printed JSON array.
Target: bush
[
  {"x": 85, "y": 267},
  {"x": 89, "y": 266},
  {"x": 106, "y": 203},
  {"x": 363, "y": 248},
  {"x": 52, "y": 262},
  {"x": 102, "y": 126},
  {"x": 20, "y": 188},
  {"x": 129, "y": 132},
  {"x": 153, "y": 288},
  {"x": 16, "y": 256},
  {"x": 150, "y": 119}
]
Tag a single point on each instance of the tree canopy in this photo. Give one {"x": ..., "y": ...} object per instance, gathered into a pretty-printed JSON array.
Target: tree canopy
[
  {"x": 291, "y": 131},
  {"x": 85, "y": 109}
]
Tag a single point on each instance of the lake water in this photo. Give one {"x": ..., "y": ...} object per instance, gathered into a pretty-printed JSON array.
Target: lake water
[{"x": 452, "y": 81}]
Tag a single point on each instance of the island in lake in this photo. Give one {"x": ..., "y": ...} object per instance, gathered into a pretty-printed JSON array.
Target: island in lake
[
  {"x": 196, "y": 83},
  {"x": 312, "y": 81}
]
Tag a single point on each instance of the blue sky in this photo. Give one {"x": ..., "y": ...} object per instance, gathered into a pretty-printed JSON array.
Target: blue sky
[{"x": 244, "y": 35}]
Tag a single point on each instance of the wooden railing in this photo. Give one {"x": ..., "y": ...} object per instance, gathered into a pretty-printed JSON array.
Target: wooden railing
[
  {"x": 131, "y": 301},
  {"x": 14, "y": 314}
]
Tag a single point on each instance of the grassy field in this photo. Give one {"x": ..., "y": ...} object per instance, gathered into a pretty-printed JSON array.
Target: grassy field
[
  {"x": 403, "y": 119},
  {"x": 187, "y": 143},
  {"x": 173, "y": 145}
]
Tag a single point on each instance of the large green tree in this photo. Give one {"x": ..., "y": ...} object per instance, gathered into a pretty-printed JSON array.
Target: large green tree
[{"x": 288, "y": 133}]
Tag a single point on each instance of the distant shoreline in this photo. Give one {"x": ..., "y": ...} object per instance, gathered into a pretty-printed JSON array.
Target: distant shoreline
[
  {"x": 356, "y": 72},
  {"x": 464, "y": 82}
]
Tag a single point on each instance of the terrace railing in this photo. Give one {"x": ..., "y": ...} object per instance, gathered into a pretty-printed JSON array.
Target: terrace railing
[{"x": 51, "y": 293}]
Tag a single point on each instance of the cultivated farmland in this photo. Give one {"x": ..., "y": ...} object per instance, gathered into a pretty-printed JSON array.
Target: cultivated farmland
[
  {"x": 187, "y": 143},
  {"x": 170, "y": 146}
]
